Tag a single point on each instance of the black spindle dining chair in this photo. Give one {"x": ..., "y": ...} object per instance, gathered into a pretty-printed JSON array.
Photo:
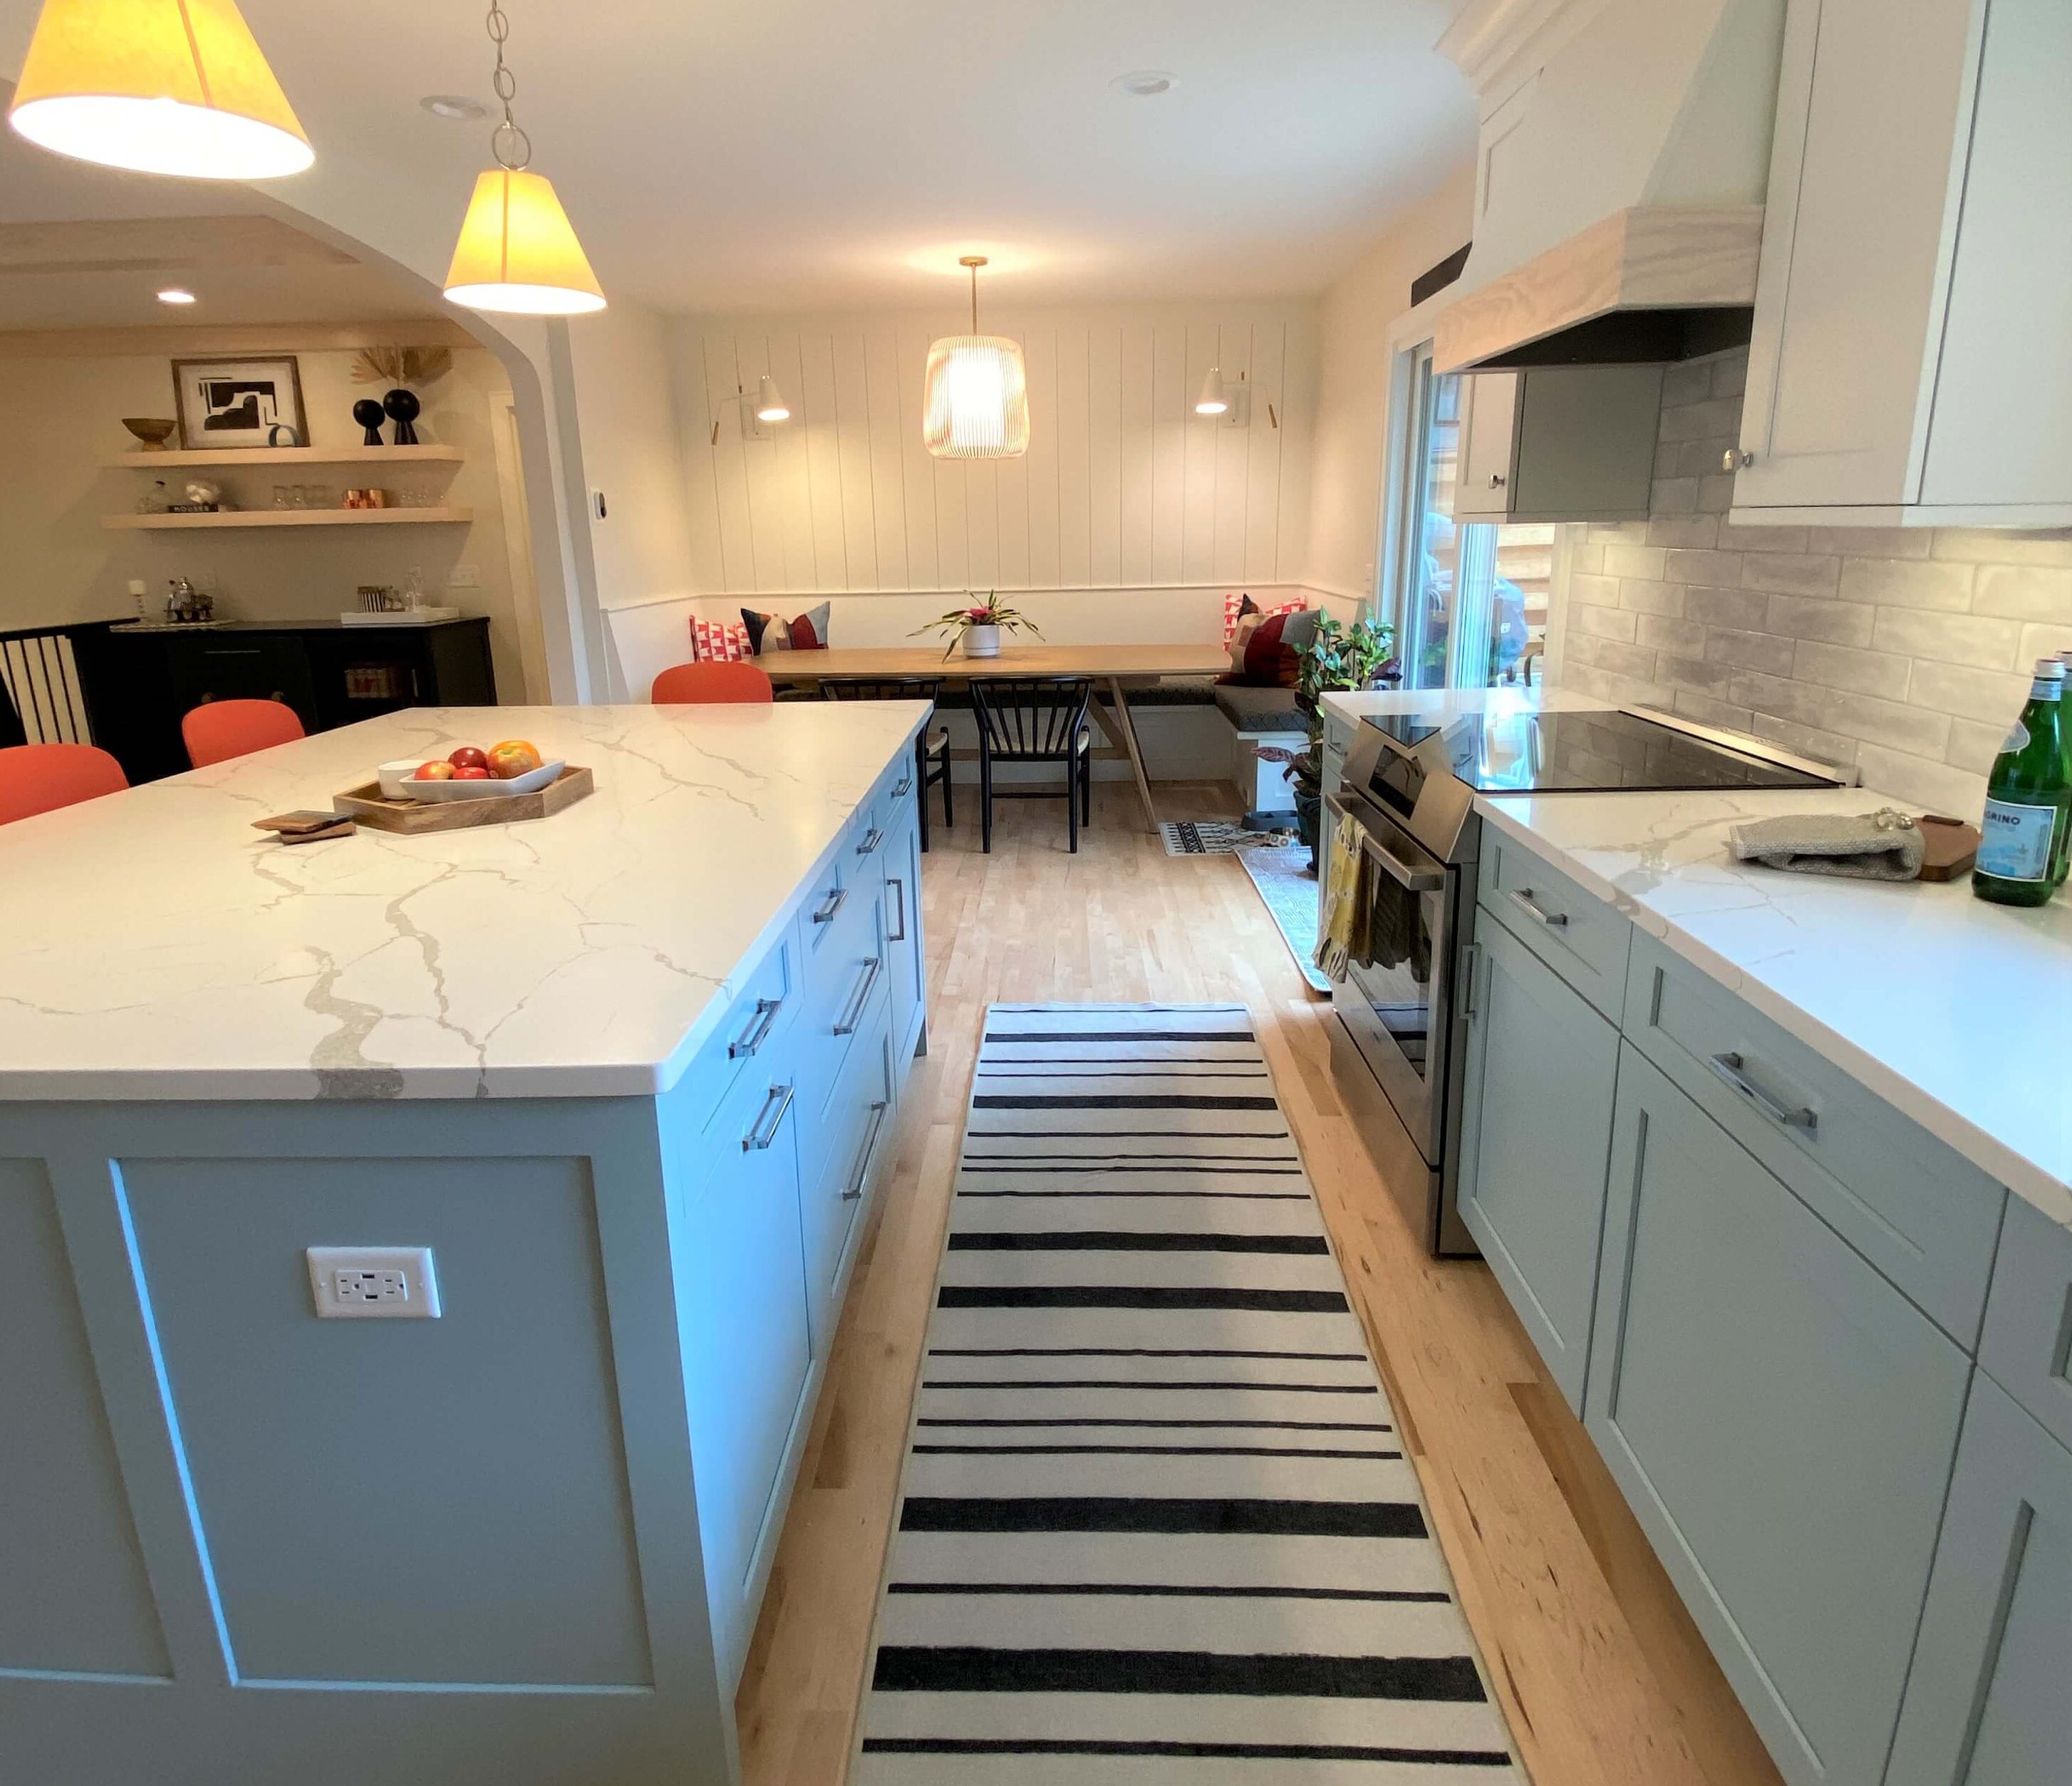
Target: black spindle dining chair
[
  {"x": 1035, "y": 720},
  {"x": 931, "y": 748}
]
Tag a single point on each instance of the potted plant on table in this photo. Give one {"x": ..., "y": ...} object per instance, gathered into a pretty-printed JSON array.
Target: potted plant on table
[
  {"x": 979, "y": 625},
  {"x": 1336, "y": 659}
]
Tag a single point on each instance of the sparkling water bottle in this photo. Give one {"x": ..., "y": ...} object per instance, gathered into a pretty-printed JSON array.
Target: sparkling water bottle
[{"x": 2028, "y": 801}]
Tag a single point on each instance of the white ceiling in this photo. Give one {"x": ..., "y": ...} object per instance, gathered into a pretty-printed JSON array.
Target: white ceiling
[{"x": 794, "y": 154}]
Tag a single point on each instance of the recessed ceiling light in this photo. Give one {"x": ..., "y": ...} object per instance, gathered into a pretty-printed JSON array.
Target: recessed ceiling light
[
  {"x": 456, "y": 106},
  {"x": 176, "y": 294},
  {"x": 1144, "y": 84}
]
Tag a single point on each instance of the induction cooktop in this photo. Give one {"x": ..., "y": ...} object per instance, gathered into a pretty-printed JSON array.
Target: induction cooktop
[{"x": 1593, "y": 751}]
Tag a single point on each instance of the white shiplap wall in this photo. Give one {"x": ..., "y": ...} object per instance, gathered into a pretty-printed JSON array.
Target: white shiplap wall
[{"x": 1123, "y": 486}]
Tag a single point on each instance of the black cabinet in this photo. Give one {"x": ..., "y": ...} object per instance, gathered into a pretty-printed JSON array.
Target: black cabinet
[{"x": 138, "y": 681}]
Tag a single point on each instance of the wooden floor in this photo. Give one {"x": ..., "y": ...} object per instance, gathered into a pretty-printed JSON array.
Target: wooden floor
[{"x": 1604, "y": 1680}]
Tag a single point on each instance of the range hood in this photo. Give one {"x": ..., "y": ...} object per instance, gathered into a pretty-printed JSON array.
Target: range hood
[{"x": 1623, "y": 157}]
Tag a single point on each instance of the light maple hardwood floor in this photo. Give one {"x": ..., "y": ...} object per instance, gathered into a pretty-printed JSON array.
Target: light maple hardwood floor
[{"x": 1605, "y": 1679}]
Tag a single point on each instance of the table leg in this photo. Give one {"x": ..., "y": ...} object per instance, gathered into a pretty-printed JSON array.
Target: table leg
[{"x": 1118, "y": 703}]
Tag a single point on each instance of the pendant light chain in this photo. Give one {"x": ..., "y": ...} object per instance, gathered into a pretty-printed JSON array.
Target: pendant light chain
[{"x": 510, "y": 145}]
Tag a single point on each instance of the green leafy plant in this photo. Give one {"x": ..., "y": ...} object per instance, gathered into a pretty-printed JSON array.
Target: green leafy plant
[
  {"x": 1336, "y": 659},
  {"x": 991, "y": 612}
]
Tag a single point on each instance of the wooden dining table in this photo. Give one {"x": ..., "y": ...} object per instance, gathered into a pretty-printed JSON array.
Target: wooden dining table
[{"x": 1109, "y": 667}]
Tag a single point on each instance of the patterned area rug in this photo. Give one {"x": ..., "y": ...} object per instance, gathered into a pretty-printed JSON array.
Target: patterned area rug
[
  {"x": 1211, "y": 837},
  {"x": 1288, "y": 889},
  {"x": 1155, "y": 1527}
]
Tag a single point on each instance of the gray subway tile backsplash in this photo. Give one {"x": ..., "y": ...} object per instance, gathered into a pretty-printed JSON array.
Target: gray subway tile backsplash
[{"x": 1900, "y": 650}]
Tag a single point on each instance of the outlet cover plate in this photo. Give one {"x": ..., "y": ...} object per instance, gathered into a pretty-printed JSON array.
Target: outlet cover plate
[{"x": 374, "y": 1283}]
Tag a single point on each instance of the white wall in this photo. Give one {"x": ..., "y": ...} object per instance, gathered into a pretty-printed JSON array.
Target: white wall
[
  {"x": 1122, "y": 487},
  {"x": 1350, "y": 460},
  {"x": 60, "y": 420}
]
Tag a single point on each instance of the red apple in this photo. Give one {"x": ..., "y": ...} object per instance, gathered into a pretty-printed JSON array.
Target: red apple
[
  {"x": 468, "y": 757},
  {"x": 435, "y": 772},
  {"x": 471, "y": 772}
]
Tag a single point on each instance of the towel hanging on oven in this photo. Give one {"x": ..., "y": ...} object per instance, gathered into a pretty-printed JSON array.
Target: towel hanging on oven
[{"x": 1341, "y": 937}]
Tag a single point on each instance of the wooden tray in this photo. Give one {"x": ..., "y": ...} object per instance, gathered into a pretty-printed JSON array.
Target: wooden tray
[
  {"x": 1951, "y": 847},
  {"x": 367, "y": 805}
]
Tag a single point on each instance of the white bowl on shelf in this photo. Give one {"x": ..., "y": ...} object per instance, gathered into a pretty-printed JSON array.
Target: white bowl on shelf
[{"x": 408, "y": 788}]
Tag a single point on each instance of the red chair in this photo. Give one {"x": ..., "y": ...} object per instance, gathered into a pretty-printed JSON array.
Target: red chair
[
  {"x": 218, "y": 730},
  {"x": 41, "y": 778},
  {"x": 682, "y": 683}
]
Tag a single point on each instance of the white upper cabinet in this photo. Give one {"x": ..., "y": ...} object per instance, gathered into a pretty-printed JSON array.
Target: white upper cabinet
[
  {"x": 1911, "y": 357},
  {"x": 1558, "y": 443}
]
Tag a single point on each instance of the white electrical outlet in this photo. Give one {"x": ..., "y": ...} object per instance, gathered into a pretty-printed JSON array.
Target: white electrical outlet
[
  {"x": 464, "y": 577},
  {"x": 374, "y": 1283}
]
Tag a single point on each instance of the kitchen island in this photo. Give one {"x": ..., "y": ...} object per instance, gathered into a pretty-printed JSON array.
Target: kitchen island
[{"x": 629, "y": 1074}]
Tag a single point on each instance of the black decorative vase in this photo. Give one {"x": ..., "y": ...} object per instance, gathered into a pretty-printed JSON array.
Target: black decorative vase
[
  {"x": 403, "y": 410},
  {"x": 368, "y": 414}
]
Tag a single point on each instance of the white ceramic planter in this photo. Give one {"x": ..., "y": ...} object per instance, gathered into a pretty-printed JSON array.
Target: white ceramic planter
[{"x": 981, "y": 641}]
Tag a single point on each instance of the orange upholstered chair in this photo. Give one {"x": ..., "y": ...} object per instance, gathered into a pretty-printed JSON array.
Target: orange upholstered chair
[
  {"x": 41, "y": 778},
  {"x": 710, "y": 682},
  {"x": 218, "y": 730}
]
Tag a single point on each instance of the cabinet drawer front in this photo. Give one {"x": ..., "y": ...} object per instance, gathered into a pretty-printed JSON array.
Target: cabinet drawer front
[
  {"x": 2028, "y": 1345},
  {"x": 1986, "y": 1703},
  {"x": 753, "y": 1034},
  {"x": 846, "y": 978},
  {"x": 1581, "y": 938},
  {"x": 848, "y": 1149},
  {"x": 1543, "y": 1066},
  {"x": 1918, "y": 1210},
  {"x": 1782, "y": 1420}
]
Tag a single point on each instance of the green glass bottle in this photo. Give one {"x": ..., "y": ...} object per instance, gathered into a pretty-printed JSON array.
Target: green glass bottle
[
  {"x": 2064, "y": 830},
  {"x": 2028, "y": 800}
]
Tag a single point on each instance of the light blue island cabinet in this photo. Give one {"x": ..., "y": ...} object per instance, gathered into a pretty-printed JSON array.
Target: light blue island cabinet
[
  {"x": 629, "y": 1077},
  {"x": 1823, "y": 1355}
]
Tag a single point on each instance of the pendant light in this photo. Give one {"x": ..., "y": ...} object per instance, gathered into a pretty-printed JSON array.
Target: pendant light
[
  {"x": 517, "y": 253},
  {"x": 770, "y": 404},
  {"x": 1215, "y": 401},
  {"x": 157, "y": 87},
  {"x": 975, "y": 405}
]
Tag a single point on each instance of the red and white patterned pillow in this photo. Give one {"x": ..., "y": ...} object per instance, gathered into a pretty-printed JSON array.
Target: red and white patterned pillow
[
  {"x": 718, "y": 641},
  {"x": 1237, "y": 604}
]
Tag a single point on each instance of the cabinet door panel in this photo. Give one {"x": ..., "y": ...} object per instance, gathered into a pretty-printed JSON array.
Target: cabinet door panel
[
  {"x": 1489, "y": 412},
  {"x": 1986, "y": 1705},
  {"x": 1852, "y": 251},
  {"x": 1782, "y": 1420},
  {"x": 1536, "y": 1134},
  {"x": 905, "y": 963}
]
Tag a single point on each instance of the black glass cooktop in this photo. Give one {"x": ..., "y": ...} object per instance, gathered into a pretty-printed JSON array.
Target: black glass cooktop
[{"x": 1590, "y": 752}]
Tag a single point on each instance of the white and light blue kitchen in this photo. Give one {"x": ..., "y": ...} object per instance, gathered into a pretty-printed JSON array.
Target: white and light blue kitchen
[{"x": 1003, "y": 896}]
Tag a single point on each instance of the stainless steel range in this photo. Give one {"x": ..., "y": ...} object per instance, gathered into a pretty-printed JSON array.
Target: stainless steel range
[{"x": 1410, "y": 786}]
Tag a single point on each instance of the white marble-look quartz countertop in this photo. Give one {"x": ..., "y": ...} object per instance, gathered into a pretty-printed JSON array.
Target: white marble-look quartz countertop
[
  {"x": 1956, "y": 1011},
  {"x": 152, "y": 945}
]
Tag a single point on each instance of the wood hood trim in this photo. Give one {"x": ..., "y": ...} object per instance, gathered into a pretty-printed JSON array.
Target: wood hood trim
[{"x": 1651, "y": 257}]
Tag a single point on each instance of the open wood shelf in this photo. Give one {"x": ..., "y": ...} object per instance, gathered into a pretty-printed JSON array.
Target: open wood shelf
[
  {"x": 292, "y": 518},
  {"x": 231, "y": 456}
]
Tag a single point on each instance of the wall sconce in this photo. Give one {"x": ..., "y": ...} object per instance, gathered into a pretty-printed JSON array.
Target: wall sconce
[
  {"x": 1227, "y": 402},
  {"x": 759, "y": 414}
]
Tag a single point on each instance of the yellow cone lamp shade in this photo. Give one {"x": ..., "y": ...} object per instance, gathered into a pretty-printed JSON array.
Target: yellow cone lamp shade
[
  {"x": 157, "y": 86},
  {"x": 975, "y": 403},
  {"x": 517, "y": 252}
]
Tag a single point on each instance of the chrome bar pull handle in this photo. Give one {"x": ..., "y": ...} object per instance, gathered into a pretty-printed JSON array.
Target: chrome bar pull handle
[
  {"x": 854, "y": 1191},
  {"x": 898, "y": 906},
  {"x": 1733, "y": 1069},
  {"x": 871, "y": 839},
  {"x": 860, "y": 997},
  {"x": 766, "y": 1019},
  {"x": 762, "y": 1131},
  {"x": 830, "y": 906},
  {"x": 1554, "y": 921}
]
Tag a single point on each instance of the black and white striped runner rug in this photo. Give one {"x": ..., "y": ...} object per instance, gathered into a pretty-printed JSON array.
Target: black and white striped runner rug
[{"x": 1155, "y": 1527}]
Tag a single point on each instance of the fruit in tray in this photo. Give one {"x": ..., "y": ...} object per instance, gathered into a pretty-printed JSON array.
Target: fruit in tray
[
  {"x": 440, "y": 770},
  {"x": 504, "y": 762},
  {"x": 468, "y": 757},
  {"x": 513, "y": 757}
]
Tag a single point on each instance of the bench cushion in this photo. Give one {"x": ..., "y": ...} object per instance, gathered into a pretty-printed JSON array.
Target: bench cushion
[{"x": 1254, "y": 710}]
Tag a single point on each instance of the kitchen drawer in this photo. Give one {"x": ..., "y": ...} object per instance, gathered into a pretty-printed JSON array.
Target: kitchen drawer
[
  {"x": 847, "y": 977},
  {"x": 753, "y": 1029},
  {"x": 1923, "y": 1215},
  {"x": 2029, "y": 1318},
  {"x": 841, "y": 1161},
  {"x": 1338, "y": 734},
  {"x": 1580, "y": 936}
]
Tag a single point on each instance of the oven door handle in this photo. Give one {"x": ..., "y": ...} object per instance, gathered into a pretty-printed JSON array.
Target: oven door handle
[{"x": 1411, "y": 880}]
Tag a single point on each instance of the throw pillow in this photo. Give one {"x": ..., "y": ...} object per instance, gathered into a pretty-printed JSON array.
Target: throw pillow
[
  {"x": 1263, "y": 650},
  {"x": 1237, "y": 604},
  {"x": 771, "y": 632},
  {"x": 718, "y": 641}
]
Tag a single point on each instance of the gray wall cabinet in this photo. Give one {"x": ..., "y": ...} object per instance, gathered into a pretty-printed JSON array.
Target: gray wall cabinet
[
  {"x": 1987, "y": 1705},
  {"x": 1782, "y": 1422},
  {"x": 1558, "y": 443},
  {"x": 1533, "y": 1151}
]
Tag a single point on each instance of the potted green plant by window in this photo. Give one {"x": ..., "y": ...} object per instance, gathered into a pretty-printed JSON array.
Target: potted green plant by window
[
  {"x": 979, "y": 625},
  {"x": 1336, "y": 659}
]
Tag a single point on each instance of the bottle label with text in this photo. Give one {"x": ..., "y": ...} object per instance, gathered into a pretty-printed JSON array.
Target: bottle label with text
[{"x": 2015, "y": 841}]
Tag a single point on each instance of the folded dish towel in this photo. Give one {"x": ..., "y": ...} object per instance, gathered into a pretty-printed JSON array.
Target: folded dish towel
[{"x": 1885, "y": 845}]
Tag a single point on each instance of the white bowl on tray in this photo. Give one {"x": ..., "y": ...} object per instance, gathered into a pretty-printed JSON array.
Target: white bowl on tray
[{"x": 399, "y": 782}]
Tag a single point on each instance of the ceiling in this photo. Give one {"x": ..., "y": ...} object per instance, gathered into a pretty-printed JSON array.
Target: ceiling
[
  {"x": 795, "y": 154},
  {"x": 83, "y": 248}
]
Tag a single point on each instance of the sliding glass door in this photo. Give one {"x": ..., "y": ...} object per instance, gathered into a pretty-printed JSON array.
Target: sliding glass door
[{"x": 1470, "y": 597}]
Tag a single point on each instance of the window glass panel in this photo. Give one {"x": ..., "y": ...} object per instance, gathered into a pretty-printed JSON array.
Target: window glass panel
[{"x": 1475, "y": 595}]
